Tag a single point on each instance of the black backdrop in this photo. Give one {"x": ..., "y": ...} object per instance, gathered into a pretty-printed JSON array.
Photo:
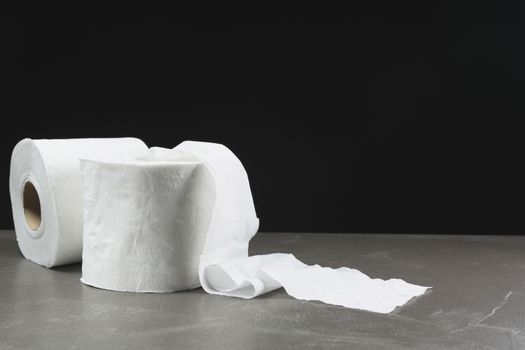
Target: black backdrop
[{"x": 389, "y": 120}]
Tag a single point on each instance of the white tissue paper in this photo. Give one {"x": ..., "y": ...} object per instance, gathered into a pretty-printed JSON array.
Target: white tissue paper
[
  {"x": 176, "y": 219},
  {"x": 46, "y": 194}
]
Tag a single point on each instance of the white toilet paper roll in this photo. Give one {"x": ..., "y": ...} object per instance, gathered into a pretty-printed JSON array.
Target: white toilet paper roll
[
  {"x": 46, "y": 194},
  {"x": 148, "y": 221},
  {"x": 145, "y": 224}
]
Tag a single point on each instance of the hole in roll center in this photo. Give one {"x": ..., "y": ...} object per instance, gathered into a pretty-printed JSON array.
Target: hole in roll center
[{"x": 32, "y": 212}]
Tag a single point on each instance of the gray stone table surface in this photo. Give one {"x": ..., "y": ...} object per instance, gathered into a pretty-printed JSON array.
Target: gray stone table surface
[{"x": 478, "y": 301}]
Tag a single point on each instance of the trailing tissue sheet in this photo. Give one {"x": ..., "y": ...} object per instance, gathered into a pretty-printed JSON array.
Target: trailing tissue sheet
[
  {"x": 46, "y": 194},
  {"x": 174, "y": 219}
]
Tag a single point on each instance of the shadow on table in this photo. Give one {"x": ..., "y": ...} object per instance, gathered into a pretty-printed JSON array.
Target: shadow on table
[{"x": 71, "y": 268}]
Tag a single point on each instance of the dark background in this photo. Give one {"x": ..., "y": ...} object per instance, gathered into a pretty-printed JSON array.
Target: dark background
[{"x": 389, "y": 119}]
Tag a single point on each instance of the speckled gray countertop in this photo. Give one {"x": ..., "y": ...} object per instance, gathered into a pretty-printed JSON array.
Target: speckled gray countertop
[{"x": 478, "y": 301}]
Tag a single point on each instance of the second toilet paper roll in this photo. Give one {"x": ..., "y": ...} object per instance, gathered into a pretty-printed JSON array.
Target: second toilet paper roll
[
  {"x": 179, "y": 218},
  {"x": 46, "y": 193}
]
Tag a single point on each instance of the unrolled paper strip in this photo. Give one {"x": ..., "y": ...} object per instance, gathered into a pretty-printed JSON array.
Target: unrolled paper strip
[
  {"x": 176, "y": 219},
  {"x": 46, "y": 194}
]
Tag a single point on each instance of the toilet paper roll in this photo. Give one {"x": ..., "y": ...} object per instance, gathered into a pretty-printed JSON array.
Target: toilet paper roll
[
  {"x": 46, "y": 194},
  {"x": 145, "y": 224},
  {"x": 179, "y": 217}
]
